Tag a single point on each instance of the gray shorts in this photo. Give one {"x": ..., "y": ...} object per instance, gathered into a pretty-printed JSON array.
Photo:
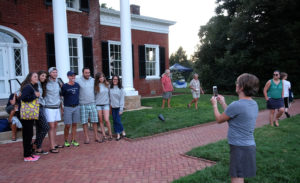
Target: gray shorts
[
  {"x": 71, "y": 115},
  {"x": 167, "y": 95},
  {"x": 242, "y": 161}
]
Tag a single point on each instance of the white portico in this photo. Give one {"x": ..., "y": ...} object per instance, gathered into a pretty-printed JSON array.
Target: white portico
[
  {"x": 61, "y": 38},
  {"x": 127, "y": 79}
]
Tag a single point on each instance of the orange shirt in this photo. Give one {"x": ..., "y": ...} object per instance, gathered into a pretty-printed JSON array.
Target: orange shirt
[{"x": 166, "y": 82}]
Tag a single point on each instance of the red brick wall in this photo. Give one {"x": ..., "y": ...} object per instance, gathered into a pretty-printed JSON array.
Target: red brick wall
[
  {"x": 144, "y": 86},
  {"x": 32, "y": 19}
]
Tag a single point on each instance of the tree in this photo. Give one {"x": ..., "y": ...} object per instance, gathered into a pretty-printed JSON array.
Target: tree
[{"x": 251, "y": 36}]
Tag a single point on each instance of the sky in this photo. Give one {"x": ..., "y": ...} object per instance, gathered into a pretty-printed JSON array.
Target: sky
[{"x": 189, "y": 15}]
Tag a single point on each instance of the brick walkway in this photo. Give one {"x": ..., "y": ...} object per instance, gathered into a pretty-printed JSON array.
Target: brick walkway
[{"x": 155, "y": 159}]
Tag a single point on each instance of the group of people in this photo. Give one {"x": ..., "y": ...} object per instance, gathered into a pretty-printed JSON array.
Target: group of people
[
  {"x": 167, "y": 87},
  {"x": 84, "y": 100}
]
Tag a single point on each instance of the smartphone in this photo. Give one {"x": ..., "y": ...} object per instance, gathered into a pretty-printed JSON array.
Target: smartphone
[{"x": 215, "y": 91}]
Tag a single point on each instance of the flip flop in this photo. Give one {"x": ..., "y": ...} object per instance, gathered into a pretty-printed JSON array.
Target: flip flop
[
  {"x": 86, "y": 142},
  {"x": 53, "y": 151},
  {"x": 59, "y": 146}
]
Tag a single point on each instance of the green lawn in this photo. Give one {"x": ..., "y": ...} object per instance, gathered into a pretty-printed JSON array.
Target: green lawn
[
  {"x": 145, "y": 122},
  {"x": 277, "y": 156}
]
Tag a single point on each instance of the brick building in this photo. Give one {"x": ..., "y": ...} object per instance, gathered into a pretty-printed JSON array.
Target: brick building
[{"x": 27, "y": 42}]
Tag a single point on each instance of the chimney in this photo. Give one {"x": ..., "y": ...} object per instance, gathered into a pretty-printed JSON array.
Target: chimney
[{"x": 135, "y": 9}]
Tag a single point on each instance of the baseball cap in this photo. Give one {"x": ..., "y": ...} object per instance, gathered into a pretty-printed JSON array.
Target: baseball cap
[
  {"x": 71, "y": 73},
  {"x": 52, "y": 69}
]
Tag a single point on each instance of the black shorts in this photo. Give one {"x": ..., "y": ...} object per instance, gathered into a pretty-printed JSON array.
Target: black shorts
[
  {"x": 286, "y": 102},
  {"x": 242, "y": 161}
]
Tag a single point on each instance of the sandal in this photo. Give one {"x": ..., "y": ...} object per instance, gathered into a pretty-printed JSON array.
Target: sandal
[
  {"x": 53, "y": 151},
  {"x": 99, "y": 141},
  {"x": 58, "y": 146},
  {"x": 110, "y": 138},
  {"x": 41, "y": 152}
]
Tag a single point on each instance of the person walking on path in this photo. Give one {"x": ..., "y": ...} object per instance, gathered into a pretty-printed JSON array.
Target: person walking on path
[
  {"x": 241, "y": 116},
  {"x": 196, "y": 90},
  {"x": 117, "y": 96},
  {"x": 273, "y": 92},
  {"x": 87, "y": 104},
  {"x": 52, "y": 107},
  {"x": 70, "y": 92},
  {"x": 42, "y": 126},
  {"x": 287, "y": 87},
  {"x": 29, "y": 90},
  {"x": 102, "y": 103},
  {"x": 167, "y": 88}
]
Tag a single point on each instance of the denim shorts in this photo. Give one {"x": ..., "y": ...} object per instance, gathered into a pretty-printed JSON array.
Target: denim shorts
[{"x": 103, "y": 107}]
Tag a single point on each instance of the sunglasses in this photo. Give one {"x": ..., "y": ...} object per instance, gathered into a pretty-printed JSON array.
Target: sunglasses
[{"x": 275, "y": 74}]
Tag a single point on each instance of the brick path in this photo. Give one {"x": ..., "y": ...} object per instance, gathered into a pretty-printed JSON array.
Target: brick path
[{"x": 154, "y": 159}]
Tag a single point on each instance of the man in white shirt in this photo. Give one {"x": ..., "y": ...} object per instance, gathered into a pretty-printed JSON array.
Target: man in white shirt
[{"x": 286, "y": 88}]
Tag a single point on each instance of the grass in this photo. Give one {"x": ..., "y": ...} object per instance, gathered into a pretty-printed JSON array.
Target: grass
[
  {"x": 145, "y": 122},
  {"x": 277, "y": 156}
]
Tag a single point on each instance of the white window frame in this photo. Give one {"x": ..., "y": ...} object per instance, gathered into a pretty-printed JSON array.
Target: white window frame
[
  {"x": 115, "y": 43},
  {"x": 157, "y": 65},
  {"x": 79, "y": 51},
  {"x": 75, "y": 8}
]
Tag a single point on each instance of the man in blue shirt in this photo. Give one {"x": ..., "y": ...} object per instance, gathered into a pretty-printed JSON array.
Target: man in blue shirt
[{"x": 70, "y": 92}]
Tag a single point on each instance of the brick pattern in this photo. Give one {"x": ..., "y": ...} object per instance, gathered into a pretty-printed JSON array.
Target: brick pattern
[{"x": 152, "y": 159}]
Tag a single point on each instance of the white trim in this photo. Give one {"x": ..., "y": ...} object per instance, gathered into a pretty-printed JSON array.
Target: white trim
[
  {"x": 76, "y": 7},
  {"x": 112, "y": 18},
  {"x": 157, "y": 68},
  {"x": 79, "y": 51}
]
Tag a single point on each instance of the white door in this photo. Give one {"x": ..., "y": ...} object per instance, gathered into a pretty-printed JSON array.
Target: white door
[{"x": 4, "y": 86}]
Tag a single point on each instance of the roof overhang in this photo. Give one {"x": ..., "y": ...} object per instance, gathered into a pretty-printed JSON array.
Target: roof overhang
[{"x": 111, "y": 17}]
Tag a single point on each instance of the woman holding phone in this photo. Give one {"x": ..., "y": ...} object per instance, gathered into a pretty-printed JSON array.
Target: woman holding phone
[{"x": 241, "y": 116}]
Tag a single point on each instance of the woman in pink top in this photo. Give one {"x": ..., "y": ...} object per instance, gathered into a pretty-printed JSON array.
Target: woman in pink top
[{"x": 167, "y": 88}]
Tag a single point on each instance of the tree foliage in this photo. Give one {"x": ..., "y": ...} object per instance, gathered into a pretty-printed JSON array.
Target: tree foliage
[{"x": 253, "y": 36}]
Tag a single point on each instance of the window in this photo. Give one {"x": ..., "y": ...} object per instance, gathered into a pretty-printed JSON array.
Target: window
[
  {"x": 115, "y": 67},
  {"x": 152, "y": 61},
  {"x": 72, "y": 4},
  {"x": 18, "y": 62},
  {"x": 73, "y": 51}
]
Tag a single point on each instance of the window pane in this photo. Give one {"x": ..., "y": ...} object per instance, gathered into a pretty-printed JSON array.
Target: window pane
[
  {"x": 115, "y": 59},
  {"x": 18, "y": 63}
]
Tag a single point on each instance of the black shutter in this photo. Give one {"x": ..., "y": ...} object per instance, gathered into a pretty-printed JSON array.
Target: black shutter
[
  {"x": 48, "y": 2},
  {"x": 162, "y": 60},
  {"x": 105, "y": 59},
  {"x": 84, "y": 5},
  {"x": 87, "y": 45},
  {"x": 50, "y": 50},
  {"x": 142, "y": 62},
  {"x": 132, "y": 61}
]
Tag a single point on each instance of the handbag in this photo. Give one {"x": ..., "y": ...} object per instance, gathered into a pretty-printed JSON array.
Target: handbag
[{"x": 30, "y": 110}]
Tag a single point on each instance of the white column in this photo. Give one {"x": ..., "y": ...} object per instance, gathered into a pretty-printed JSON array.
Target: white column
[
  {"x": 126, "y": 49},
  {"x": 61, "y": 38}
]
